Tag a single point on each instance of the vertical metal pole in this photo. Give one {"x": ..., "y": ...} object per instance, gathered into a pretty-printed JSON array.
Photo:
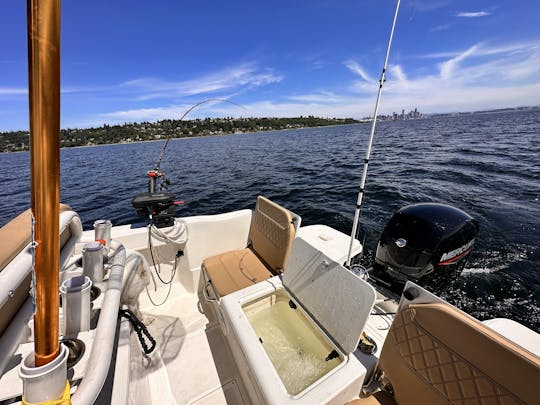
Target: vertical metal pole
[
  {"x": 44, "y": 97},
  {"x": 372, "y": 133}
]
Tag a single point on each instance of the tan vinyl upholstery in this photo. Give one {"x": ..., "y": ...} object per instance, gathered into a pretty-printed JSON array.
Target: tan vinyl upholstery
[
  {"x": 435, "y": 354},
  {"x": 235, "y": 270},
  {"x": 14, "y": 238},
  {"x": 271, "y": 236},
  {"x": 272, "y": 233}
]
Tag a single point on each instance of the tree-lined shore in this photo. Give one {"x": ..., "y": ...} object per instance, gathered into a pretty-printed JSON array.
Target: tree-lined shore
[{"x": 146, "y": 131}]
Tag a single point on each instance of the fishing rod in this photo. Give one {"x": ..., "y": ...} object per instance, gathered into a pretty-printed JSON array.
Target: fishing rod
[
  {"x": 370, "y": 142},
  {"x": 156, "y": 173},
  {"x": 160, "y": 207}
]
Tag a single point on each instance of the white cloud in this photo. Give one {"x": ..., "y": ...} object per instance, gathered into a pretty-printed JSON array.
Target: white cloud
[
  {"x": 473, "y": 14},
  {"x": 485, "y": 50},
  {"x": 246, "y": 75},
  {"x": 10, "y": 91},
  {"x": 441, "y": 27},
  {"x": 447, "y": 68},
  {"x": 479, "y": 77},
  {"x": 356, "y": 68},
  {"x": 316, "y": 97}
]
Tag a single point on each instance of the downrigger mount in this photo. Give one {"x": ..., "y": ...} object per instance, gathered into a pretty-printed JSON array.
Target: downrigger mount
[{"x": 158, "y": 206}]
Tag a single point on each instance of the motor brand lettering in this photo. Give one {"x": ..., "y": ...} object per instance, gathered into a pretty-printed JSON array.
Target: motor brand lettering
[{"x": 456, "y": 252}]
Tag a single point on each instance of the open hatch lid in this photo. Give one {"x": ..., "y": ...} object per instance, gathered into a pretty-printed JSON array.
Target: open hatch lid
[{"x": 337, "y": 299}]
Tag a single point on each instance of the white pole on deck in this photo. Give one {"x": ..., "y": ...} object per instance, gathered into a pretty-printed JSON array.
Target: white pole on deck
[{"x": 368, "y": 151}]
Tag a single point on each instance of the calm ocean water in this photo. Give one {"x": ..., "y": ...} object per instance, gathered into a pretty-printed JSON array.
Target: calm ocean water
[{"x": 488, "y": 165}]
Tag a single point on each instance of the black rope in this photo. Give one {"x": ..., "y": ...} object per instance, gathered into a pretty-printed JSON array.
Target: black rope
[{"x": 140, "y": 328}]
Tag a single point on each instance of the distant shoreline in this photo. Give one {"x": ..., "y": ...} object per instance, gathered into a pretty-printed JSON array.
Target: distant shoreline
[
  {"x": 162, "y": 139},
  {"x": 129, "y": 133}
]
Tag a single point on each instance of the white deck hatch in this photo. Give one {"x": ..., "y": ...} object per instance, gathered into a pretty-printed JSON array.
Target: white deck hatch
[{"x": 339, "y": 300}]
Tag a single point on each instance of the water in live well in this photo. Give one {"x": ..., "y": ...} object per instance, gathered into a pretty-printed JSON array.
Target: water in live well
[
  {"x": 488, "y": 165},
  {"x": 295, "y": 347}
]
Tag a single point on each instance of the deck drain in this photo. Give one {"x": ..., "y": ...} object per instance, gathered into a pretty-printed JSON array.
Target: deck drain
[
  {"x": 76, "y": 349},
  {"x": 95, "y": 292}
]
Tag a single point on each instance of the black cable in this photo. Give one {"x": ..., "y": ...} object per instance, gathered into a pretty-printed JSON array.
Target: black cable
[{"x": 140, "y": 329}]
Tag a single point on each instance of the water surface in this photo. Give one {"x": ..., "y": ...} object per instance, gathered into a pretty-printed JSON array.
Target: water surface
[{"x": 488, "y": 165}]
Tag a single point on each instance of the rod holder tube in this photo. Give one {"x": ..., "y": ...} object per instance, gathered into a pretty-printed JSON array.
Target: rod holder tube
[
  {"x": 76, "y": 305},
  {"x": 103, "y": 345},
  {"x": 44, "y": 100},
  {"x": 92, "y": 261},
  {"x": 102, "y": 232},
  {"x": 44, "y": 383}
]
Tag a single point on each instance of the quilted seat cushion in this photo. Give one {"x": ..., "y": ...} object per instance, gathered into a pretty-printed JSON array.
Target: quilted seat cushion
[{"x": 436, "y": 354}]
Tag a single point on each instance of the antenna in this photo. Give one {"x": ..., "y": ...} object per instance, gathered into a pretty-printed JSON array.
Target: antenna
[{"x": 368, "y": 151}]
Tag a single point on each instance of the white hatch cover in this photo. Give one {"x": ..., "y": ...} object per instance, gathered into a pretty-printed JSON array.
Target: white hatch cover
[{"x": 336, "y": 298}]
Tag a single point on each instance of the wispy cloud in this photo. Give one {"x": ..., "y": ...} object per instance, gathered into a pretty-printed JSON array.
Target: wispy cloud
[
  {"x": 246, "y": 75},
  {"x": 478, "y": 77},
  {"x": 10, "y": 91},
  {"x": 427, "y": 5},
  {"x": 317, "y": 97},
  {"x": 359, "y": 70},
  {"x": 473, "y": 14},
  {"x": 447, "y": 68},
  {"x": 524, "y": 47},
  {"x": 441, "y": 27}
]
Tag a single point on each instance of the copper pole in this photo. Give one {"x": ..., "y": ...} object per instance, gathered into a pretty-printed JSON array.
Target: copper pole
[{"x": 44, "y": 94}]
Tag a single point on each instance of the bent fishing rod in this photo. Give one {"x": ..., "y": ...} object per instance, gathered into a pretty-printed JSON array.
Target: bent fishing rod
[
  {"x": 156, "y": 173},
  {"x": 370, "y": 142}
]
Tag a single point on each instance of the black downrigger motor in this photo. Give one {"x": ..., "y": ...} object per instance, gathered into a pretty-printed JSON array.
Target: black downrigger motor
[
  {"x": 426, "y": 243},
  {"x": 159, "y": 207}
]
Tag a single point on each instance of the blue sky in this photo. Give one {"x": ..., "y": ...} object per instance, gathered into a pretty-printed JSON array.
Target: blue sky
[{"x": 131, "y": 61}]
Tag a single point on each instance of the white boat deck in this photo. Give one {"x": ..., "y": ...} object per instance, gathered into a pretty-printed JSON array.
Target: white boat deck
[{"x": 192, "y": 354}]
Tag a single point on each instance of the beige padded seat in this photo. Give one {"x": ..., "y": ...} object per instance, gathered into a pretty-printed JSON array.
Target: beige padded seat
[
  {"x": 271, "y": 235},
  {"x": 235, "y": 270},
  {"x": 14, "y": 238},
  {"x": 435, "y": 354}
]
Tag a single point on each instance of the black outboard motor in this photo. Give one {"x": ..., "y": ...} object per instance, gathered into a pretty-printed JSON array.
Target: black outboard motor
[{"x": 427, "y": 243}]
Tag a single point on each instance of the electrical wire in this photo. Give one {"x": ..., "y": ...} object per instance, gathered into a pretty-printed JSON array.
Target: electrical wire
[
  {"x": 151, "y": 248},
  {"x": 179, "y": 229}
]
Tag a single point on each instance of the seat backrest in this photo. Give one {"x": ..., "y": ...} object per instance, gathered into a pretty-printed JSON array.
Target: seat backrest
[
  {"x": 271, "y": 233},
  {"x": 15, "y": 236},
  {"x": 436, "y": 354}
]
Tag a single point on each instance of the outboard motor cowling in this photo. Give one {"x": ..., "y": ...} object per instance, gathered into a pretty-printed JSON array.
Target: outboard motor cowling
[{"x": 427, "y": 243}]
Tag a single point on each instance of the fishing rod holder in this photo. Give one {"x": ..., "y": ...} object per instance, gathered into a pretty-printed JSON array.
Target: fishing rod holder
[
  {"x": 159, "y": 208},
  {"x": 153, "y": 177}
]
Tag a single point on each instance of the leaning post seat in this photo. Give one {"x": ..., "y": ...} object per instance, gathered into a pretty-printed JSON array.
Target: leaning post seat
[
  {"x": 436, "y": 354},
  {"x": 271, "y": 236},
  {"x": 16, "y": 258}
]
